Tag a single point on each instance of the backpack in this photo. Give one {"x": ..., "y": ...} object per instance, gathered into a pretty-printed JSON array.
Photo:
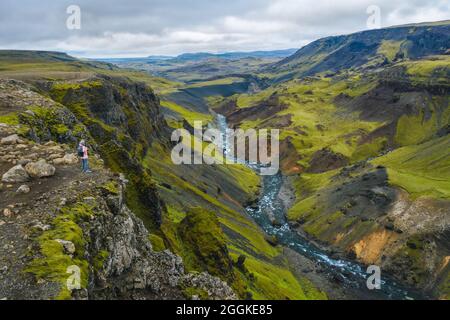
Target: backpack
[{"x": 80, "y": 151}]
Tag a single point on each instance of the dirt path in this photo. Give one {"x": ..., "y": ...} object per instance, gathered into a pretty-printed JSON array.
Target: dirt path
[
  {"x": 31, "y": 214},
  {"x": 24, "y": 216}
]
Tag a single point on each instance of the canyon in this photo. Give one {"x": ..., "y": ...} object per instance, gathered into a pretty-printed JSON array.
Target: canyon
[{"x": 364, "y": 168}]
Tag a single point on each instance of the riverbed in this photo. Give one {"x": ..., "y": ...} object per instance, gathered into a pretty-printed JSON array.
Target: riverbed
[{"x": 270, "y": 214}]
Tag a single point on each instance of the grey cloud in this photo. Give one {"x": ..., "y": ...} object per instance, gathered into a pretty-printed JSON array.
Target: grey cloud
[{"x": 142, "y": 27}]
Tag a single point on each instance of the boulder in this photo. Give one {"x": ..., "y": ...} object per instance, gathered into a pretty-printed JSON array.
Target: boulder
[
  {"x": 58, "y": 162},
  {"x": 276, "y": 223},
  {"x": 68, "y": 159},
  {"x": 23, "y": 189},
  {"x": 54, "y": 156},
  {"x": 55, "y": 149},
  {"x": 21, "y": 146},
  {"x": 42, "y": 227},
  {"x": 33, "y": 156},
  {"x": 71, "y": 158},
  {"x": 13, "y": 139},
  {"x": 16, "y": 174},
  {"x": 68, "y": 246},
  {"x": 40, "y": 169}
]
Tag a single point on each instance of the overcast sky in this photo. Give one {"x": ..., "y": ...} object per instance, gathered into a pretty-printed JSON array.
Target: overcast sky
[{"x": 117, "y": 28}]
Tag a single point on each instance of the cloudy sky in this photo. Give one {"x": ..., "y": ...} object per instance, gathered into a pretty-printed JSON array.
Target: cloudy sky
[{"x": 117, "y": 28}]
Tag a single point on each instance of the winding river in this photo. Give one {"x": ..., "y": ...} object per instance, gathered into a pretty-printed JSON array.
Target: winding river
[{"x": 350, "y": 274}]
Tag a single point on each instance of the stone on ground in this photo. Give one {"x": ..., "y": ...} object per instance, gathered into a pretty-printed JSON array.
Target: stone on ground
[
  {"x": 7, "y": 212},
  {"x": 16, "y": 174},
  {"x": 40, "y": 169},
  {"x": 13, "y": 139},
  {"x": 68, "y": 159},
  {"x": 23, "y": 189},
  {"x": 69, "y": 247}
]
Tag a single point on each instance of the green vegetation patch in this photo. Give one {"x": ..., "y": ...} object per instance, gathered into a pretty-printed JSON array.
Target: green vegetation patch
[
  {"x": 244, "y": 176},
  {"x": 189, "y": 116},
  {"x": 415, "y": 129},
  {"x": 425, "y": 67},
  {"x": 220, "y": 81},
  {"x": 54, "y": 261},
  {"x": 389, "y": 49},
  {"x": 45, "y": 123},
  {"x": 157, "y": 242},
  {"x": 370, "y": 149},
  {"x": 10, "y": 118},
  {"x": 316, "y": 123},
  {"x": 240, "y": 236},
  {"x": 201, "y": 232},
  {"x": 190, "y": 292},
  {"x": 278, "y": 283},
  {"x": 100, "y": 259},
  {"x": 422, "y": 170}
]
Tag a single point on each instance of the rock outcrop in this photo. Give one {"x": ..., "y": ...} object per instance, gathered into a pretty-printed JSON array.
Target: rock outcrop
[
  {"x": 23, "y": 189},
  {"x": 40, "y": 169},
  {"x": 326, "y": 160},
  {"x": 16, "y": 174},
  {"x": 133, "y": 270},
  {"x": 13, "y": 139},
  {"x": 68, "y": 159}
]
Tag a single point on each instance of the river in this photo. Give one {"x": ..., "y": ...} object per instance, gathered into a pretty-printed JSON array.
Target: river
[{"x": 349, "y": 273}]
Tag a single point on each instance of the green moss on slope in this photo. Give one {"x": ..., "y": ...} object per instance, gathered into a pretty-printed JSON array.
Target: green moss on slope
[
  {"x": 189, "y": 116},
  {"x": 268, "y": 277},
  {"x": 316, "y": 122},
  {"x": 201, "y": 232},
  {"x": 157, "y": 242},
  {"x": 415, "y": 129},
  {"x": 422, "y": 170},
  {"x": 206, "y": 249},
  {"x": 54, "y": 261},
  {"x": 368, "y": 150},
  {"x": 389, "y": 49},
  {"x": 10, "y": 118},
  {"x": 242, "y": 237}
]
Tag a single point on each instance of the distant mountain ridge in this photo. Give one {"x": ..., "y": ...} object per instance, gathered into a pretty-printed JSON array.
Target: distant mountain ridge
[
  {"x": 198, "y": 56},
  {"x": 238, "y": 55},
  {"x": 47, "y": 56},
  {"x": 370, "y": 48}
]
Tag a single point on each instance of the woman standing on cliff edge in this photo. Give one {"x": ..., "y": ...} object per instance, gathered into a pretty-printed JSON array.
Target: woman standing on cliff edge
[{"x": 83, "y": 154}]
